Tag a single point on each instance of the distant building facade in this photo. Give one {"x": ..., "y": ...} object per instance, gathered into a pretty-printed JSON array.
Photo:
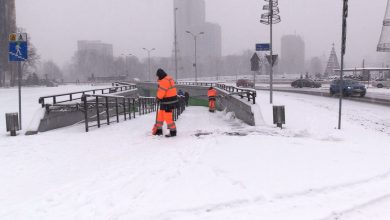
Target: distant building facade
[
  {"x": 97, "y": 47},
  {"x": 94, "y": 58},
  {"x": 191, "y": 16},
  {"x": 292, "y": 55},
  {"x": 7, "y": 26}
]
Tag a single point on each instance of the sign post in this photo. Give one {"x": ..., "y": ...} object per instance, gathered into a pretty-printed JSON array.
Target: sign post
[
  {"x": 18, "y": 52},
  {"x": 255, "y": 66},
  {"x": 343, "y": 47}
]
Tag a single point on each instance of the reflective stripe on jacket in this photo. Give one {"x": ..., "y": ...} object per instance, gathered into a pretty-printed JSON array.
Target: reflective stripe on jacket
[
  {"x": 166, "y": 89},
  {"x": 212, "y": 93}
]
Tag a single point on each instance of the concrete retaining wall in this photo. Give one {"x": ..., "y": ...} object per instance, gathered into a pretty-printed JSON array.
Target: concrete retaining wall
[{"x": 240, "y": 107}]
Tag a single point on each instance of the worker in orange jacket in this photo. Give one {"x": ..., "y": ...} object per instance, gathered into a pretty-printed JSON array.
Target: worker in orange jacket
[
  {"x": 212, "y": 94},
  {"x": 167, "y": 97}
]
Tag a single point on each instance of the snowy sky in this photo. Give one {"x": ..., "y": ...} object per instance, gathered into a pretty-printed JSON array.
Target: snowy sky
[{"x": 56, "y": 25}]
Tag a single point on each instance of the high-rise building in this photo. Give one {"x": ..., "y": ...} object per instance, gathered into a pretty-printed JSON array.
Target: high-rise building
[
  {"x": 292, "y": 55},
  {"x": 7, "y": 26},
  {"x": 191, "y": 16},
  {"x": 95, "y": 47}
]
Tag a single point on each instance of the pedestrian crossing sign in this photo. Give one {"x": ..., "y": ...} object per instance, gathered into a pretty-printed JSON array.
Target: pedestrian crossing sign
[{"x": 18, "y": 48}]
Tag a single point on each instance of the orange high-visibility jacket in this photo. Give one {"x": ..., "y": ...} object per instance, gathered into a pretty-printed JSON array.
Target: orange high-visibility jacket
[
  {"x": 212, "y": 93},
  {"x": 167, "y": 91}
]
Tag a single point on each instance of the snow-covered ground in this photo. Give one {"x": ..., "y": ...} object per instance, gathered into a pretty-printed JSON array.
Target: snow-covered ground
[{"x": 217, "y": 168}]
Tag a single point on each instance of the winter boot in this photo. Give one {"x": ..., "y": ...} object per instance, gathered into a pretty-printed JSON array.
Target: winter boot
[
  {"x": 172, "y": 133},
  {"x": 159, "y": 132}
]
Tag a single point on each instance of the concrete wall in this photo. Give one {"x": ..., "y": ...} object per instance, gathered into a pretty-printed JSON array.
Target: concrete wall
[
  {"x": 240, "y": 107},
  {"x": 54, "y": 120}
]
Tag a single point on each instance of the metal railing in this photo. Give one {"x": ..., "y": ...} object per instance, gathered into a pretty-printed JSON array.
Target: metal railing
[
  {"x": 250, "y": 94},
  {"x": 101, "y": 108},
  {"x": 66, "y": 97},
  {"x": 197, "y": 83}
]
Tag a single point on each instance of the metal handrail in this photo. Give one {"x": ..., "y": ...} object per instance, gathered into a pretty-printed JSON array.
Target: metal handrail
[
  {"x": 71, "y": 96},
  {"x": 250, "y": 94},
  {"x": 107, "y": 106}
]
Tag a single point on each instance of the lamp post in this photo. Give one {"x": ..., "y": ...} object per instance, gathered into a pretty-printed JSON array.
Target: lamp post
[
  {"x": 126, "y": 63},
  {"x": 195, "y": 36},
  {"x": 269, "y": 18},
  {"x": 175, "y": 23},
  {"x": 149, "y": 60}
]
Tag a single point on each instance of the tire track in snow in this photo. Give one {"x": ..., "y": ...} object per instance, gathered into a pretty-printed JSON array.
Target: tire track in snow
[
  {"x": 323, "y": 193},
  {"x": 338, "y": 215}
]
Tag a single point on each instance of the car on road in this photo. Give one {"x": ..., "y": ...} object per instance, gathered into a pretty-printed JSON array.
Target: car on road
[
  {"x": 380, "y": 83},
  {"x": 51, "y": 84},
  {"x": 300, "y": 83},
  {"x": 244, "y": 83},
  {"x": 349, "y": 88}
]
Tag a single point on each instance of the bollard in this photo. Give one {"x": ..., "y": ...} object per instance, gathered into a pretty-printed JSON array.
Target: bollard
[
  {"x": 12, "y": 123},
  {"x": 279, "y": 115}
]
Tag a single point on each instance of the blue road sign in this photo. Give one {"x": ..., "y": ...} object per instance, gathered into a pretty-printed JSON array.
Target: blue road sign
[
  {"x": 18, "y": 51},
  {"x": 262, "y": 47}
]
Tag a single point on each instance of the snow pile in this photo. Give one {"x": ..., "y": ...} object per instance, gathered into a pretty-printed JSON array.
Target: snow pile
[{"x": 217, "y": 168}]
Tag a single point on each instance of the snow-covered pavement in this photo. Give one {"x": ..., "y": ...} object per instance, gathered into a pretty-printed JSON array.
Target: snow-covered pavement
[{"x": 217, "y": 168}]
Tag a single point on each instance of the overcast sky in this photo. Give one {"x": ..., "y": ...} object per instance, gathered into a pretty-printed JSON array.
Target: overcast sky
[{"x": 56, "y": 25}]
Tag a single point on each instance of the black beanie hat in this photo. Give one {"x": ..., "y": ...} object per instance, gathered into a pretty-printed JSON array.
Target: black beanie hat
[{"x": 161, "y": 74}]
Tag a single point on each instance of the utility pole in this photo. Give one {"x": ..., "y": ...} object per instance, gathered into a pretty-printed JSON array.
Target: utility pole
[
  {"x": 176, "y": 77},
  {"x": 343, "y": 45},
  {"x": 269, "y": 18},
  {"x": 195, "y": 36},
  {"x": 20, "y": 93},
  {"x": 149, "y": 60}
]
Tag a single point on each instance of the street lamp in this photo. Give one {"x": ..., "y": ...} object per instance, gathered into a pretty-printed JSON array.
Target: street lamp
[
  {"x": 149, "y": 59},
  {"x": 126, "y": 64},
  {"x": 195, "y": 37}
]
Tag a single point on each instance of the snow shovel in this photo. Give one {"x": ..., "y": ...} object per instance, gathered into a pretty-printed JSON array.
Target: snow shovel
[{"x": 154, "y": 129}]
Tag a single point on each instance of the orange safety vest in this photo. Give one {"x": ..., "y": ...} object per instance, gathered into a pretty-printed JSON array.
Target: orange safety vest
[
  {"x": 166, "y": 91},
  {"x": 212, "y": 93}
]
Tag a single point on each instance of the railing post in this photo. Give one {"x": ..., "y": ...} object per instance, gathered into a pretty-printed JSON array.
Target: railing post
[
  {"x": 129, "y": 108},
  {"x": 97, "y": 112},
  {"x": 117, "y": 110},
  {"x": 139, "y": 105},
  {"x": 71, "y": 97},
  {"x": 124, "y": 108},
  {"x": 107, "y": 112},
  {"x": 133, "y": 108},
  {"x": 86, "y": 113},
  {"x": 54, "y": 100}
]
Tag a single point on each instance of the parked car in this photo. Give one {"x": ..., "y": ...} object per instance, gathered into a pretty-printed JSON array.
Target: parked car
[
  {"x": 349, "y": 87},
  {"x": 51, "y": 84},
  {"x": 244, "y": 83},
  {"x": 380, "y": 83},
  {"x": 300, "y": 83}
]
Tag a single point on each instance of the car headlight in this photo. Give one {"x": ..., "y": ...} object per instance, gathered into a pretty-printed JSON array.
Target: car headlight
[{"x": 349, "y": 87}]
